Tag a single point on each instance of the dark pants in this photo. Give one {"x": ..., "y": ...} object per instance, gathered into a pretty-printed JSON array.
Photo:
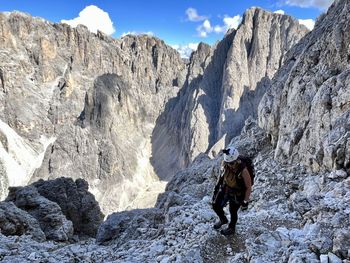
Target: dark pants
[{"x": 221, "y": 200}]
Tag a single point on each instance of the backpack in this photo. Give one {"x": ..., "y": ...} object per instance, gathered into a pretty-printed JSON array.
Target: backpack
[{"x": 248, "y": 163}]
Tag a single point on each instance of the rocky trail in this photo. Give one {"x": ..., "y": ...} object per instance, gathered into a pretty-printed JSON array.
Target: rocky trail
[
  {"x": 220, "y": 249},
  {"x": 294, "y": 215}
]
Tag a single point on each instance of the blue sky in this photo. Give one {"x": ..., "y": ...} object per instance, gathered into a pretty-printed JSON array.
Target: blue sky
[{"x": 178, "y": 22}]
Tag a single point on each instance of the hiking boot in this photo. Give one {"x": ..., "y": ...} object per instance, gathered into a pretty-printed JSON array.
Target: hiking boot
[
  {"x": 228, "y": 231},
  {"x": 220, "y": 223}
]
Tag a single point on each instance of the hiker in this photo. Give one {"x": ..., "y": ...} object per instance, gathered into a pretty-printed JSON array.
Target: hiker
[{"x": 234, "y": 187}]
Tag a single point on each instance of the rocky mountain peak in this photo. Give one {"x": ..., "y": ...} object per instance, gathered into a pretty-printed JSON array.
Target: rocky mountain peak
[{"x": 223, "y": 88}]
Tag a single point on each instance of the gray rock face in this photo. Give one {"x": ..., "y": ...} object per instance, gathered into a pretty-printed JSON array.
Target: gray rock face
[
  {"x": 49, "y": 215},
  {"x": 256, "y": 53},
  {"x": 294, "y": 215},
  {"x": 16, "y": 222},
  {"x": 50, "y": 74},
  {"x": 88, "y": 106},
  {"x": 124, "y": 113},
  {"x": 223, "y": 88},
  {"x": 123, "y": 226},
  {"x": 57, "y": 208},
  {"x": 173, "y": 139},
  {"x": 306, "y": 110},
  {"x": 76, "y": 202}
]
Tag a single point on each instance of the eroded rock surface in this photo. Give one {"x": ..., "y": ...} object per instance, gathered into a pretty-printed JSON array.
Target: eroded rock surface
[
  {"x": 49, "y": 215},
  {"x": 16, "y": 222},
  {"x": 224, "y": 86},
  {"x": 49, "y": 126},
  {"x": 295, "y": 213},
  {"x": 76, "y": 202},
  {"x": 306, "y": 111}
]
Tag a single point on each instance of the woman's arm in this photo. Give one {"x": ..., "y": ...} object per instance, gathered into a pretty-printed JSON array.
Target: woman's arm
[
  {"x": 219, "y": 180},
  {"x": 218, "y": 183}
]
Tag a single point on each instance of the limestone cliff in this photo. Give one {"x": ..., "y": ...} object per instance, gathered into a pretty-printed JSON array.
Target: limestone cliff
[
  {"x": 306, "y": 110},
  {"x": 123, "y": 113},
  {"x": 223, "y": 88},
  {"x": 78, "y": 104},
  {"x": 256, "y": 53}
]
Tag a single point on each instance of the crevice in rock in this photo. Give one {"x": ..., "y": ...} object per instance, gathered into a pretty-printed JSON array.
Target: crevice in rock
[
  {"x": 175, "y": 82},
  {"x": 2, "y": 81},
  {"x": 155, "y": 56},
  {"x": 61, "y": 84},
  {"x": 133, "y": 67},
  {"x": 156, "y": 86},
  {"x": 133, "y": 46},
  {"x": 50, "y": 168}
]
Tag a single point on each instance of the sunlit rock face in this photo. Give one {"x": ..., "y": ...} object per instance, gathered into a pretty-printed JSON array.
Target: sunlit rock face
[
  {"x": 224, "y": 86},
  {"x": 306, "y": 111},
  {"x": 78, "y": 104},
  {"x": 256, "y": 53},
  {"x": 86, "y": 105},
  {"x": 124, "y": 113}
]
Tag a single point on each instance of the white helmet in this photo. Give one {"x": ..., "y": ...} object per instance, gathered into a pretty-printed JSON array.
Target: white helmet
[{"x": 230, "y": 154}]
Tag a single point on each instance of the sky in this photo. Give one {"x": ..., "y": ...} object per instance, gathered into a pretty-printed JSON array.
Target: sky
[{"x": 181, "y": 24}]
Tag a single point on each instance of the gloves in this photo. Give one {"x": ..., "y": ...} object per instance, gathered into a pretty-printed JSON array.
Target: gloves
[{"x": 244, "y": 205}]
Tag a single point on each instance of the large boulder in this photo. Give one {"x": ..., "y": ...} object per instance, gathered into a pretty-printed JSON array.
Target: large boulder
[
  {"x": 75, "y": 201},
  {"x": 128, "y": 225},
  {"x": 49, "y": 215},
  {"x": 17, "y": 222}
]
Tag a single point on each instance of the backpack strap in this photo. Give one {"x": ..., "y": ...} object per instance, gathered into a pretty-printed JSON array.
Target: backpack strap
[
  {"x": 241, "y": 168},
  {"x": 240, "y": 179}
]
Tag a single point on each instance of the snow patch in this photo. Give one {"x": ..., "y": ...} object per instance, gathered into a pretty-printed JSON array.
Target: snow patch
[{"x": 19, "y": 156}]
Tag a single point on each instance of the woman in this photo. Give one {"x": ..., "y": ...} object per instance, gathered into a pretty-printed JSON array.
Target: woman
[{"x": 234, "y": 187}]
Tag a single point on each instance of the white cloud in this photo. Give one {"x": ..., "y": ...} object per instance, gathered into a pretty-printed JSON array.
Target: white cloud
[
  {"x": 94, "y": 18},
  {"x": 202, "y": 33},
  {"x": 232, "y": 22},
  {"x": 207, "y": 26},
  {"x": 186, "y": 50},
  {"x": 149, "y": 33},
  {"x": 281, "y": 12},
  {"x": 219, "y": 29},
  {"x": 309, "y": 23},
  {"x": 320, "y": 4},
  {"x": 204, "y": 29},
  {"x": 229, "y": 22},
  {"x": 192, "y": 15}
]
